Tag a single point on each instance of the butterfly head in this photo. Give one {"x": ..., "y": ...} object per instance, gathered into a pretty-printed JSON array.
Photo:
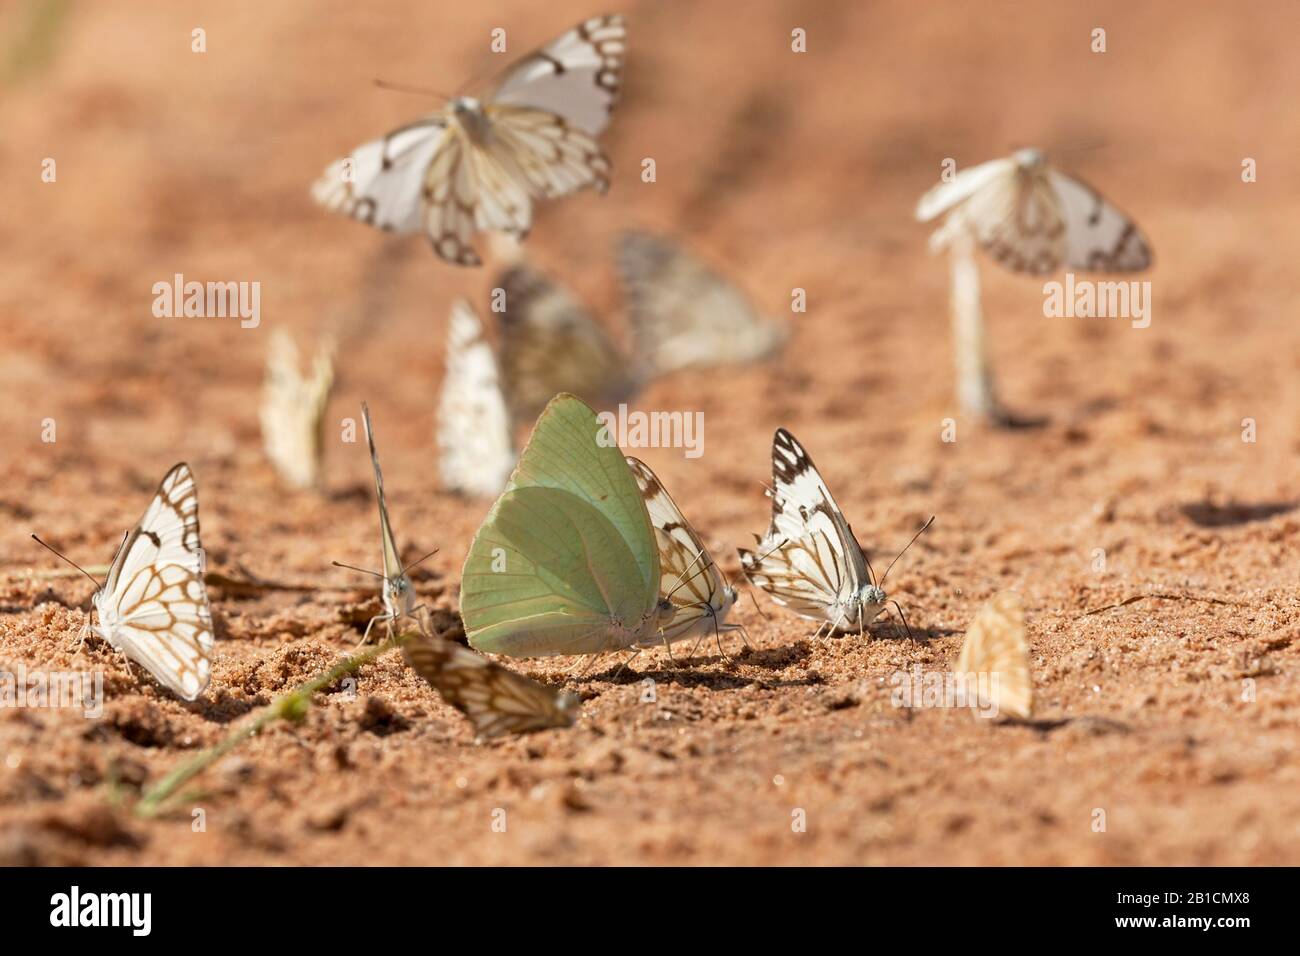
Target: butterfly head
[
  {"x": 398, "y": 596},
  {"x": 871, "y": 601},
  {"x": 469, "y": 114},
  {"x": 1030, "y": 158}
]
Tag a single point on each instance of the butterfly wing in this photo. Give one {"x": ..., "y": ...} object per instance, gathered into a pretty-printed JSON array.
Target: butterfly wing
[
  {"x": 476, "y": 449},
  {"x": 398, "y": 594},
  {"x": 684, "y": 314},
  {"x": 293, "y": 411},
  {"x": 549, "y": 345},
  {"x": 495, "y": 699},
  {"x": 382, "y": 182},
  {"x": 809, "y": 560},
  {"x": 566, "y": 560},
  {"x": 947, "y": 195},
  {"x": 153, "y": 605},
  {"x": 996, "y": 645},
  {"x": 697, "y": 588},
  {"x": 1098, "y": 236},
  {"x": 575, "y": 77}
]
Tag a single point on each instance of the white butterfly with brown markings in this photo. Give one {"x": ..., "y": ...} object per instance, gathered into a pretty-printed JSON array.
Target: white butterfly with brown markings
[
  {"x": 689, "y": 578},
  {"x": 479, "y": 163},
  {"x": 809, "y": 560},
  {"x": 293, "y": 410},
  {"x": 153, "y": 606},
  {"x": 1033, "y": 218}
]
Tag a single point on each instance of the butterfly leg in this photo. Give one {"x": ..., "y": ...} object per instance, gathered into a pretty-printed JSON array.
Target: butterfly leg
[
  {"x": 623, "y": 666},
  {"x": 365, "y": 636}
]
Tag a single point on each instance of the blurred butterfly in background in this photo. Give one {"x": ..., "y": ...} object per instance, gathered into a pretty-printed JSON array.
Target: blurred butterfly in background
[
  {"x": 995, "y": 644},
  {"x": 690, "y": 578},
  {"x": 809, "y": 560},
  {"x": 495, "y": 699},
  {"x": 153, "y": 606},
  {"x": 550, "y": 344},
  {"x": 1031, "y": 217},
  {"x": 480, "y": 162},
  {"x": 476, "y": 449},
  {"x": 293, "y": 410},
  {"x": 566, "y": 561},
  {"x": 684, "y": 314}
]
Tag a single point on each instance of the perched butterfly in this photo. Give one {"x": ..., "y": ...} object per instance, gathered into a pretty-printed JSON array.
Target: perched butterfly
[
  {"x": 293, "y": 410},
  {"x": 566, "y": 561},
  {"x": 478, "y": 164},
  {"x": 398, "y": 594},
  {"x": 690, "y": 578},
  {"x": 495, "y": 699},
  {"x": 1031, "y": 217},
  {"x": 476, "y": 449},
  {"x": 549, "y": 344},
  {"x": 684, "y": 314},
  {"x": 995, "y": 645},
  {"x": 153, "y": 607},
  {"x": 809, "y": 560}
]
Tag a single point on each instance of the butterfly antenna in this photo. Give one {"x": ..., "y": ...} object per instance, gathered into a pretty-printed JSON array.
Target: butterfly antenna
[
  {"x": 416, "y": 564},
  {"x": 682, "y": 581},
  {"x": 405, "y": 88},
  {"x": 904, "y": 551},
  {"x": 352, "y": 567},
  {"x": 98, "y": 586}
]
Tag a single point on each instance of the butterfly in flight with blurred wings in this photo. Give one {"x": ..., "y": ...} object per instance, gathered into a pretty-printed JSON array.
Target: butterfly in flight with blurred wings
[
  {"x": 686, "y": 315},
  {"x": 293, "y": 410},
  {"x": 689, "y": 577},
  {"x": 809, "y": 560},
  {"x": 494, "y": 698},
  {"x": 476, "y": 451},
  {"x": 1033, "y": 218},
  {"x": 479, "y": 163},
  {"x": 153, "y": 606},
  {"x": 995, "y": 645}
]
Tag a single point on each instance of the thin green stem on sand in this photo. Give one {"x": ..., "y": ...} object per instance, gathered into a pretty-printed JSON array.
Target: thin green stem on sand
[{"x": 292, "y": 706}]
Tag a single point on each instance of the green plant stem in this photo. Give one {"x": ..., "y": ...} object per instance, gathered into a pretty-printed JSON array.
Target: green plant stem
[{"x": 291, "y": 706}]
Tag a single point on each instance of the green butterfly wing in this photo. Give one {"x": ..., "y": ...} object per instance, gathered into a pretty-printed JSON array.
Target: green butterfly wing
[{"x": 566, "y": 561}]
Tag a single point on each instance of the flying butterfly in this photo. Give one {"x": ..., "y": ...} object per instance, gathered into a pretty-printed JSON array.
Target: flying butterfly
[
  {"x": 690, "y": 578},
  {"x": 153, "y": 606},
  {"x": 996, "y": 646},
  {"x": 293, "y": 410},
  {"x": 566, "y": 561},
  {"x": 476, "y": 449},
  {"x": 1033, "y": 218},
  {"x": 809, "y": 560},
  {"x": 549, "y": 345},
  {"x": 686, "y": 315},
  {"x": 480, "y": 162},
  {"x": 398, "y": 593},
  {"x": 495, "y": 699}
]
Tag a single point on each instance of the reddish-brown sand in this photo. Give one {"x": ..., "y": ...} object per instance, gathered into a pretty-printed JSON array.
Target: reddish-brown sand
[{"x": 787, "y": 171}]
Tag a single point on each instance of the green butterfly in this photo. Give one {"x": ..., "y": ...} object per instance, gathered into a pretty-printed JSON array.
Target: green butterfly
[{"x": 566, "y": 561}]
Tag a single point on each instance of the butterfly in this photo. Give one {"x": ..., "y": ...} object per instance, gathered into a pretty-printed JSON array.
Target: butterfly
[
  {"x": 809, "y": 560},
  {"x": 293, "y": 410},
  {"x": 153, "y": 606},
  {"x": 684, "y": 314},
  {"x": 549, "y": 344},
  {"x": 480, "y": 162},
  {"x": 995, "y": 645},
  {"x": 495, "y": 699},
  {"x": 1031, "y": 217},
  {"x": 476, "y": 449},
  {"x": 566, "y": 561},
  {"x": 398, "y": 594},
  {"x": 690, "y": 579}
]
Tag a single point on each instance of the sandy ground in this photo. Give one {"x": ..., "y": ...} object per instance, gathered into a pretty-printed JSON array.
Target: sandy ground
[{"x": 787, "y": 171}]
